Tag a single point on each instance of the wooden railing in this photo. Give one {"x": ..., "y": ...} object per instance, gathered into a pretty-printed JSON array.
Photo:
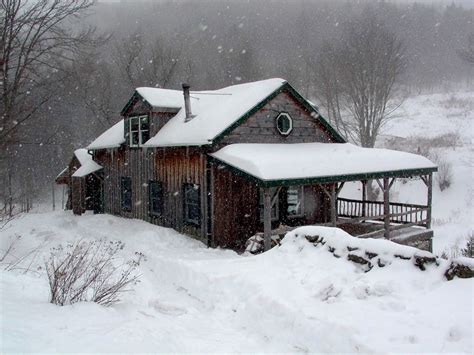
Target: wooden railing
[{"x": 401, "y": 213}]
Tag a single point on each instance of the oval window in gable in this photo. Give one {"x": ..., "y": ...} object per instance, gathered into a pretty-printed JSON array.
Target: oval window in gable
[{"x": 284, "y": 123}]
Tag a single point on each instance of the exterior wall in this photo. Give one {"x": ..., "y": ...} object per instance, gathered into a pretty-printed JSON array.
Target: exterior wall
[
  {"x": 172, "y": 167},
  {"x": 78, "y": 194},
  {"x": 235, "y": 205},
  {"x": 261, "y": 127},
  {"x": 236, "y": 209}
]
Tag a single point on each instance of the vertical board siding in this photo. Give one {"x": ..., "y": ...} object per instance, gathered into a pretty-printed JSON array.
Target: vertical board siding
[
  {"x": 172, "y": 167},
  {"x": 235, "y": 209}
]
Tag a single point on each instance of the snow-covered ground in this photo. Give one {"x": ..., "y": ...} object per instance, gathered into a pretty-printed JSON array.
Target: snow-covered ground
[{"x": 295, "y": 298}]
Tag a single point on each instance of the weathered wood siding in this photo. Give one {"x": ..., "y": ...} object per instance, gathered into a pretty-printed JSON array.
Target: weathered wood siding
[
  {"x": 172, "y": 167},
  {"x": 235, "y": 207},
  {"x": 261, "y": 127}
]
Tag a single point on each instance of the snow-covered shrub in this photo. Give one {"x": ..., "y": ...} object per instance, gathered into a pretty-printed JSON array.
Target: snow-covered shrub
[
  {"x": 90, "y": 271},
  {"x": 456, "y": 251},
  {"x": 444, "y": 176}
]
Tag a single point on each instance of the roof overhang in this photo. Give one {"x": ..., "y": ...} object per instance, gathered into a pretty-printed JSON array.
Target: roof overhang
[{"x": 242, "y": 165}]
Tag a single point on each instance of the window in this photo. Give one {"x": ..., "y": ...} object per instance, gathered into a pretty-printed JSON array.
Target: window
[
  {"x": 275, "y": 203},
  {"x": 155, "y": 195},
  {"x": 126, "y": 193},
  {"x": 139, "y": 130},
  {"x": 284, "y": 124},
  {"x": 192, "y": 204},
  {"x": 294, "y": 200}
]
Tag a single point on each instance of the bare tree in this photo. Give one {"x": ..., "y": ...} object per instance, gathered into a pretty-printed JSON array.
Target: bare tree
[
  {"x": 37, "y": 39},
  {"x": 147, "y": 63},
  {"x": 34, "y": 43},
  {"x": 95, "y": 87},
  {"x": 358, "y": 79}
]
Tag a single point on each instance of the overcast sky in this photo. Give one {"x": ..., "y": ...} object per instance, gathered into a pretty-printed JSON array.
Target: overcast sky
[{"x": 465, "y": 3}]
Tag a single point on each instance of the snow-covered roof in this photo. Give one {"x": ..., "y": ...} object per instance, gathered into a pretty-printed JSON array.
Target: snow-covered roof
[
  {"x": 164, "y": 98},
  {"x": 111, "y": 138},
  {"x": 269, "y": 162},
  {"x": 214, "y": 111},
  {"x": 88, "y": 165}
]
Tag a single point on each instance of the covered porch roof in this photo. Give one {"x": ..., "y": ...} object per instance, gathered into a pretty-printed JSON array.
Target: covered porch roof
[{"x": 314, "y": 163}]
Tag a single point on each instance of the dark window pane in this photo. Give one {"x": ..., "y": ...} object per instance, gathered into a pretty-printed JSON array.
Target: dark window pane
[
  {"x": 126, "y": 193},
  {"x": 134, "y": 138},
  {"x": 134, "y": 123},
  {"x": 156, "y": 197},
  {"x": 145, "y": 136},
  {"x": 144, "y": 123},
  {"x": 192, "y": 204}
]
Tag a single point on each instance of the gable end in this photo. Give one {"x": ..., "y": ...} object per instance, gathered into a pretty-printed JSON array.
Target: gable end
[{"x": 287, "y": 89}]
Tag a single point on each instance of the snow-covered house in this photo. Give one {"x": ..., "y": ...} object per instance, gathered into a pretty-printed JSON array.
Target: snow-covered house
[{"x": 223, "y": 165}]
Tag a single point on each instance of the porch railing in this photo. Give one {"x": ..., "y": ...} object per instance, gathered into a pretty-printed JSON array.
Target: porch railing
[{"x": 402, "y": 213}]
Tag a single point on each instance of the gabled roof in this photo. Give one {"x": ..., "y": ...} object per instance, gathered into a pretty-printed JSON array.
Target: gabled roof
[
  {"x": 301, "y": 163},
  {"x": 111, "y": 138},
  {"x": 88, "y": 165},
  {"x": 216, "y": 113}
]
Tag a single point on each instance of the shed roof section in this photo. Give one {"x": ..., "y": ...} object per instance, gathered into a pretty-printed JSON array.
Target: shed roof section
[
  {"x": 286, "y": 164},
  {"x": 88, "y": 165},
  {"x": 111, "y": 138},
  {"x": 214, "y": 111}
]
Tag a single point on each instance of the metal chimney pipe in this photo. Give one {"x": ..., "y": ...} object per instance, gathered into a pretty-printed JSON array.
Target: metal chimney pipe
[{"x": 187, "y": 102}]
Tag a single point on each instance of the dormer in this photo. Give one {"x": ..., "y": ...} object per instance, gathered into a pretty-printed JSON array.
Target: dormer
[{"x": 147, "y": 111}]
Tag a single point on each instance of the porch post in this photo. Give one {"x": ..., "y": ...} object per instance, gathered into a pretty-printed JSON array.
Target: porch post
[
  {"x": 267, "y": 218},
  {"x": 364, "y": 197},
  {"x": 386, "y": 207},
  {"x": 430, "y": 200},
  {"x": 333, "y": 205}
]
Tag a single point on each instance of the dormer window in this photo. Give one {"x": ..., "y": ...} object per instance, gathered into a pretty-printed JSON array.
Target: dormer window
[
  {"x": 139, "y": 130},
  {"x": 284, "y": 124}
]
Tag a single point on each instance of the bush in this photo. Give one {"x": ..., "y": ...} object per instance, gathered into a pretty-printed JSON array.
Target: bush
[
  {"x": 444, "y": 176},
  {"x": 457, "y": 251},
  {"x": 424, "y": 145},
  {"x": 87, "y": 271}
]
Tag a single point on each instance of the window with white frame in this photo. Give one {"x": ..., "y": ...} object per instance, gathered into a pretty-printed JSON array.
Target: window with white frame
[
  {"x": 284, "y": 123},
  {"x": 295, "y": 201},
  {"x": 139, "y": 127},
  {"x": 275, "y": 202}
]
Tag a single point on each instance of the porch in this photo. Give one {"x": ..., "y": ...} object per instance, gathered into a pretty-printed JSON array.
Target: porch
[{"x": 328, "y": 167}]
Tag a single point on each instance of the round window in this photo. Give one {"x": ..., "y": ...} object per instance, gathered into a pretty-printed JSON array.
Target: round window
[{"x": 284, "y": 124}]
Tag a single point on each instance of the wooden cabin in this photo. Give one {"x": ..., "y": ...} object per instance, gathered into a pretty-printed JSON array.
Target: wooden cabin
[{"x": 226, "y": 164}]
